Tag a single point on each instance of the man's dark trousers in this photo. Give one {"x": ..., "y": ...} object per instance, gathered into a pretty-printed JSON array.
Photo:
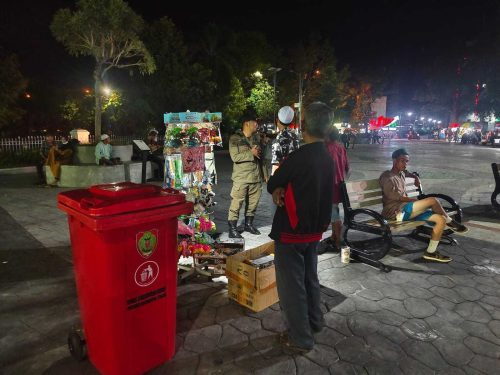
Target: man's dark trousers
[
  {"x": 299, "y": 290},
  {"x": 41, "y": 173}
]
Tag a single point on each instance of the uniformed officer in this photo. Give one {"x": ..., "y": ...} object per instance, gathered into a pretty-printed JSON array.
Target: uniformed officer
[{"x": 247, "y": 175}]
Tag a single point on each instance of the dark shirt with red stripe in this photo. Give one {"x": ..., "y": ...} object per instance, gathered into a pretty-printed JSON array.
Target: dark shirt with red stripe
[{"x": 307, "y": 177}]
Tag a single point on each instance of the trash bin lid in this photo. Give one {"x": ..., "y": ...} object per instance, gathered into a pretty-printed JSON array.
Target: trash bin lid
[{"x": 119, "y": 198}]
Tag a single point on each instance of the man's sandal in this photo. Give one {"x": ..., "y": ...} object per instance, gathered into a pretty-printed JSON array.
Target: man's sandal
[{"x": 289, "y": 347}]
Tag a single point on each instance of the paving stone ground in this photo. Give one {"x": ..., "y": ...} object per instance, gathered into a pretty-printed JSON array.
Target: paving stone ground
[{"x": 421, "y": 318}]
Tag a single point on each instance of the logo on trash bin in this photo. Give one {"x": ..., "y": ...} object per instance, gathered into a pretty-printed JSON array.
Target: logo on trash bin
[
  {"x": 146, "y": 242},
  {"x": 146, "y": 273}
]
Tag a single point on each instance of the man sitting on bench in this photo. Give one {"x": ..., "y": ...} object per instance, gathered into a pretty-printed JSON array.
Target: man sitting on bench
[
  {"x": 395, "y": 200},
  {"x": 103, "y": 152}
]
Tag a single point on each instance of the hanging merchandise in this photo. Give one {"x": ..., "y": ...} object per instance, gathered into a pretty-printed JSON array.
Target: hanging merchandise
[
  {"x": 173, "y": 171},
  {"x": 193, "y": 159},
  {"x": 190, "y": 167}
]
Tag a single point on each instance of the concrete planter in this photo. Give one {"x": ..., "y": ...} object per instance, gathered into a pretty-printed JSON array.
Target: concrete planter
[
  {"x": 92, "y": 174},
  {"x": 85, "y": 154}
]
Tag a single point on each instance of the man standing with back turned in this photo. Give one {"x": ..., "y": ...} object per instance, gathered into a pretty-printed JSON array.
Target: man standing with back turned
[
  {"x": 395, "y": 200},
  {"x": 302, "y": 189}
]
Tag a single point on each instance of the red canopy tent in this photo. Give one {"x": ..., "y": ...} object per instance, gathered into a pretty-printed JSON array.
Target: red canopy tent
[
  {"x": 376, "y": 124},
  {"x": 454, "y": 125}
]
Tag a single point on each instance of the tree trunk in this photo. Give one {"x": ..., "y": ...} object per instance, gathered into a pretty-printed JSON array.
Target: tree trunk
[{"x": 98, "y": 102}]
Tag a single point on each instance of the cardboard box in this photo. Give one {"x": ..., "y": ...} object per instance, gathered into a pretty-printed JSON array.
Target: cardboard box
[
  {"x": 215, "y": 264},
  {"x": 248, "y": 285},
  {"x": 230, "y": 246}
]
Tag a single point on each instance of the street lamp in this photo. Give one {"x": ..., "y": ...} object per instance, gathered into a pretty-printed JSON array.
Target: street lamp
[
  {"x": 106, "y": 90},
  {"x": 257, "y": 74},
  {"x": 299, "y": 104},
  {"x": 275, "y": 71},
  {"x": 409, "y": 114}
]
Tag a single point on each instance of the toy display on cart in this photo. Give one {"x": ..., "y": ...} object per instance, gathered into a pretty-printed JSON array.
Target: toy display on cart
[
  {"x": 189, "y": 167},
  {"x": 198, "y": 239}
]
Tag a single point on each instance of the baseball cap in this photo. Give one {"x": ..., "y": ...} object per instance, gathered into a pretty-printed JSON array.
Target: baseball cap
[{"x": 285, "y": 115}]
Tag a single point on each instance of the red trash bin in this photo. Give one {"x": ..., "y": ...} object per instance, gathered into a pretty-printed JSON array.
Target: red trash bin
[{"x": 124, "y": 240}]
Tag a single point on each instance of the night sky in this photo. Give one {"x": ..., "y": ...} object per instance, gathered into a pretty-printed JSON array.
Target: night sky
[{"x": 403, "y": 34}]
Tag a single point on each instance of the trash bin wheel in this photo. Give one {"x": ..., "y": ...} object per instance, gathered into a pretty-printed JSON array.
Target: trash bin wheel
[
  {"x": 77, "y": 346},
  {"x": 180, "y": 280}
]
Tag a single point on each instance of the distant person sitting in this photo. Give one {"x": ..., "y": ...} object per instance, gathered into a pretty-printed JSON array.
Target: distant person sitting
[
  {"x": 156, "y": 153},
  {"x": 61, "y": 154},
  {"x": 103, "y": 152},
  {"x": 47, "y": 145}
]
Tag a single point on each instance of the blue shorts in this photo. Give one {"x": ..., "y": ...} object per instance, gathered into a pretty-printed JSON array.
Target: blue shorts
[
  {"x": 335, "y": 212},
  {"x": 408, "y": 208}
]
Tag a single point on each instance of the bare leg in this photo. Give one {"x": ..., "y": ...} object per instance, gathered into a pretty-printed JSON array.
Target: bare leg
[
  {"x": 439, "y": 224},
  {"x": 423, "y": 204},
  {"x": 336, "y": 229}
]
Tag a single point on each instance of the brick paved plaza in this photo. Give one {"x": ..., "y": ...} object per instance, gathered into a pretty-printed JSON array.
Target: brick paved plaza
[{"x": 421, "y": 318}]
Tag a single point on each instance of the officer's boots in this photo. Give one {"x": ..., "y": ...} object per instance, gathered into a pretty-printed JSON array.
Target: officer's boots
[
  {"x": 233, "y": 232},
  {"x": 249, "y": 225}
]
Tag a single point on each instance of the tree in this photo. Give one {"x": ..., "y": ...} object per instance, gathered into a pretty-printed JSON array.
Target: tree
[
  {"x": 179, "y": 83},
  {"x": 262, "y": 100},
  {"x": 12, "y": 85},
  {"x": 108, "y": 31},
  {"x": 78, "y": 112},
  {"x": 362, "y": 95},
  {"x": 231, "y": 54},
  {"x": 315, "y": 66},
  {"x": 236, "y": 105}
]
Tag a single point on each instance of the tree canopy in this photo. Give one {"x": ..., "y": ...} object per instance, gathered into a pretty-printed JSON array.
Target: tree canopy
[
  {"x": 12, "y": 85},
  {"x": 108, "y": 31},
  {"x": 262, "y": 99}
]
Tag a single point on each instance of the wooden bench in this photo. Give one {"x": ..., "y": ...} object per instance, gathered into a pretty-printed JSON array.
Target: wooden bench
[
  {"x": 496, "y": 174},
  {"x": 369, "y": 234}
]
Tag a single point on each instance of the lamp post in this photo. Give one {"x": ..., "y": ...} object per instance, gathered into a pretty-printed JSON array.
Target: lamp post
[
  {"x": 301, "y": 95},
  {"x": 301, "y": 86},
  {"x": 410, "y": 114},
  {"x": 275, "y": 71}
]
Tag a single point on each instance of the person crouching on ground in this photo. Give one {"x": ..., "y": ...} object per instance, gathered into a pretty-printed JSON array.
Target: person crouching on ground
[
  {"x": 245, "y": 152},
  {"x": 338, "y": 154},
  {"x": 302, "y": 190},
  {"x": 103, "y": 152},
  {"x": 394, "y": 200}
]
